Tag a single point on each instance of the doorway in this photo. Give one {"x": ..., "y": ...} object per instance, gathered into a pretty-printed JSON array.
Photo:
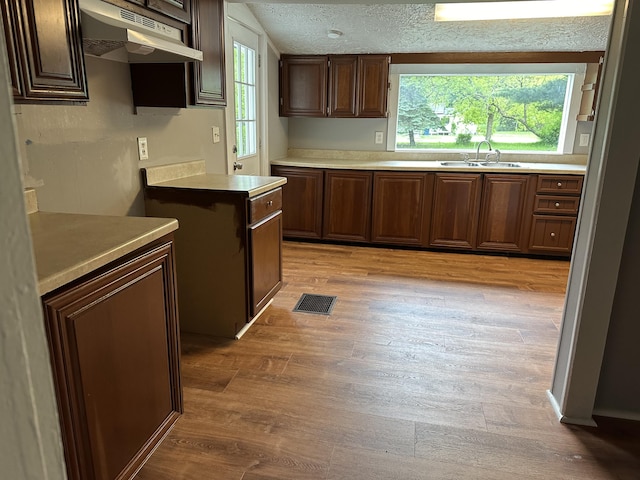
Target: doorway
[{"x": 243, "y": 112}]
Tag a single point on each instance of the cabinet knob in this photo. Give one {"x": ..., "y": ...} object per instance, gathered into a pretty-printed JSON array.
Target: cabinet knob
[
  {"x": 269, "y": 203},
  {"x": 553, "y": 235},
  {"x": 559, "y": 184},
  {"x": 557, "y": 205}
]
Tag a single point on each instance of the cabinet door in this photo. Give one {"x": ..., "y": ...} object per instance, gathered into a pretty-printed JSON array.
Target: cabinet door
[
  {"x": 9, "y": 19},
  {"x": 178, "y": 9},
  {"x": 373, "y": 83},
  {"x": 115, "y": 352},
  {"x": 301, "y": 201},
  {"x": 208, "y": 36},
  {"x": 343, "y": 74},
  {"x": 401, "y": 208},
  {"x": 502, "y": 212},
  {"x": 51, "y": 49},
  {"x": 303, "y": 86},
  {"x": 347, "y": 205},
  {"x": 552, "y": 234},
  {"x": 456, "y": 200},
  {"x": 265, "y": 247}
]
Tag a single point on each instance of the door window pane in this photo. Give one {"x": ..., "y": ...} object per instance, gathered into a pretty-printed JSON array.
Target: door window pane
[{"x": 245, "y": 99}]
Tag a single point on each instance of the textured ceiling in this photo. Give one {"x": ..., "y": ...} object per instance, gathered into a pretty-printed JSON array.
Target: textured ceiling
[{"x": 301, "y": 28}]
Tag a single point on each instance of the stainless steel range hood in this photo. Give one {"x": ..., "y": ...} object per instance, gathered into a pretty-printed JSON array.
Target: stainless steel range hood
[{"x": 118, "y": 34}]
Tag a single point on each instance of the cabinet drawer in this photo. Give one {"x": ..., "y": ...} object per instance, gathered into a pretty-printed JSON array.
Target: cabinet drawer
[
  {"x": 551, "y": 234},
  {"x": 570, "y": 184},
  {"x": 265, "y": 204},
  {"x": 556, "y": 204}
]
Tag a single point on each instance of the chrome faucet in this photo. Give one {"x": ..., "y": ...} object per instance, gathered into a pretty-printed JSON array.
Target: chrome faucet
[{"x": 479, "y": 145}]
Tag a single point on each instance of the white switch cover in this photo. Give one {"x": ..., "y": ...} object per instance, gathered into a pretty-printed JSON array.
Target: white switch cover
[
  {"x": 584, "y": 139},
  {"x": 379, "y": 137},
  {"x": 143, "y": 150},
  {"x": 215, "y": 134}
]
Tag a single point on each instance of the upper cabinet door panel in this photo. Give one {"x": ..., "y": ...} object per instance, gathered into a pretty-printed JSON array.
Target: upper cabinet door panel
[
  {"x": 303, "y": 86},
  {"x": 373, "y": 73},
  {"x": 178, "y": 9},
  {"x": 343, "y": 77},
  {"x": 9, "y": 19},
  {"x": 208, "y": 36},
  {"x": 54, "y": 65}
]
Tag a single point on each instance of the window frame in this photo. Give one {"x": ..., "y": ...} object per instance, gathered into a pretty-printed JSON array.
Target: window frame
[{"x": 572, "y": 101}]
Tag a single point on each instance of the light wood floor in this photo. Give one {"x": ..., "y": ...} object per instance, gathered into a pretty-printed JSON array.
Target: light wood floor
[{"x": 431, "y": 366}]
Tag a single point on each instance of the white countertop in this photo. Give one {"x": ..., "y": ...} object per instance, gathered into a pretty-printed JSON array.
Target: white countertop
[
  {"x": 68, "y": 246},
  {"x": 192, "y": 176}
]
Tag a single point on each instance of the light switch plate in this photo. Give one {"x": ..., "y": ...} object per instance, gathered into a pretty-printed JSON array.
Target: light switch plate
[
  {"x": 215, "y": 134},
  {"x": 143, "y": 150},
  {"x": 584, "y": 139}
]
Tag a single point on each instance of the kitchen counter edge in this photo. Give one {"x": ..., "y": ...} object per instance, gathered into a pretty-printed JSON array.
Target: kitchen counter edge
[{"x": 426, "y": 165}]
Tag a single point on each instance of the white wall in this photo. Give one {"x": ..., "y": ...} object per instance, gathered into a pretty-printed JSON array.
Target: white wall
[
  {"x": 30, "y": 441},
  {"x": 337, "y": 133},
  {"x": 598, "y": 289},
  {"x": 87, "y": 155}
]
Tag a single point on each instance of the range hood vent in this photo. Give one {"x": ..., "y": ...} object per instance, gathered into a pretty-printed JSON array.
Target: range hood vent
[{"x": 118, "y": 34}]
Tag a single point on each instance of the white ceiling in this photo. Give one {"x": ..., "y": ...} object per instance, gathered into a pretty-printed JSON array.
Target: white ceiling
[{"x": 406, "y": 26}]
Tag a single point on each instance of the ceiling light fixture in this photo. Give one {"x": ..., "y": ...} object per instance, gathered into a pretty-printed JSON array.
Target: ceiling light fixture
[
  {"x": 334, "y": 33},
  {"x": 450, "y": 12}
]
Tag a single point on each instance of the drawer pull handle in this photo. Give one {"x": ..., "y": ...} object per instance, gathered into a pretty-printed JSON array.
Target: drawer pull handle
[
  {"x": 553, "y": 235},
  {"x": 269, "y": 203},
  {"x": 559, "y": 184},
  {"x": 557, "y": 205}
]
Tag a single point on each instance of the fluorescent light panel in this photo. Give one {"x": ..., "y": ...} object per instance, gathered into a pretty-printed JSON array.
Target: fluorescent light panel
[{"x": 451, "y": 12}]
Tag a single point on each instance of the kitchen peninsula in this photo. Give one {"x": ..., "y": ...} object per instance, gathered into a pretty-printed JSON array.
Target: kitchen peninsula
[{"x": 228, "y": 248}]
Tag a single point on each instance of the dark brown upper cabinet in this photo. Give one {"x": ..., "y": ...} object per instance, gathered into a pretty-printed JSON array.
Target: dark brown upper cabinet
[
  {"x": 345, "y": 86},
  {"x": 199, "y": 83},
  {"x": 373, "y": 85},
  {"x": 44, "y": 49},
  {"x": 303, "y": 86},
  {"x": 177, "y": 9},
  {"x": 208, "y": 35}
]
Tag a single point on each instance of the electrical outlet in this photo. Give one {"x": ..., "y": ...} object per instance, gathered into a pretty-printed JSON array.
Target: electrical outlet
[
  {"x": 584, "y": 139},
  {"x": 379, "y": 137},
  {"x": 143, "y": 150},
  {"x": 215, "y": 134}
]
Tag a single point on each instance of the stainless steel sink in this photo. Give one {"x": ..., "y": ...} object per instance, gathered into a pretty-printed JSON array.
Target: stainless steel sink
[
  {"x": 459, "y": 163},
  {"x": 501, "y": 164}
]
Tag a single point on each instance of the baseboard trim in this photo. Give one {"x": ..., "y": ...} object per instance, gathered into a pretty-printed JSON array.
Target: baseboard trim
[
  {"x": 244, "y": 329},
  {"x": 587, "y": 422}
]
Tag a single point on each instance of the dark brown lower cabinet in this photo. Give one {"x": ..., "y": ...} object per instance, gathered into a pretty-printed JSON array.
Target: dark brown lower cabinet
[
  {"x": 301, "y": 201},
  {"x": 115, "y": 352},
  {"x": 552, "y": 234},
  {"x": 228, "y": 250},
  {"x": 265, "y": 238},
  {"x": 401, "y": 208},
  {"x": 454, "y": 220},
  {"x": 347, "y": 205},
  {"x": 502, "y": 214}
]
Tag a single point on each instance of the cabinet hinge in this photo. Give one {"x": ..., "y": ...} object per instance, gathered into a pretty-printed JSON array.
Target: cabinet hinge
[
  {"x": 259, "y": 60},
  {"x": 328, "y": 63},
  {"x": 280, "y": 63},
  {"x": 281, "y": 101}
]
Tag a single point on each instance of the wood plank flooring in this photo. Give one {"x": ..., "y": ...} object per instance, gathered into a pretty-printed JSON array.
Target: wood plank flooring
[{"x": 431, "y": 366}]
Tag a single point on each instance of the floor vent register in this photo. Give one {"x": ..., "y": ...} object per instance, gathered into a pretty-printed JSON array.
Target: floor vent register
[{"x": 320, "y": 304}]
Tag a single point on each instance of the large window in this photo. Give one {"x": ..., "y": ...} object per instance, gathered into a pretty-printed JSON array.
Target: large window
[{"x": 515, "y": 111}]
